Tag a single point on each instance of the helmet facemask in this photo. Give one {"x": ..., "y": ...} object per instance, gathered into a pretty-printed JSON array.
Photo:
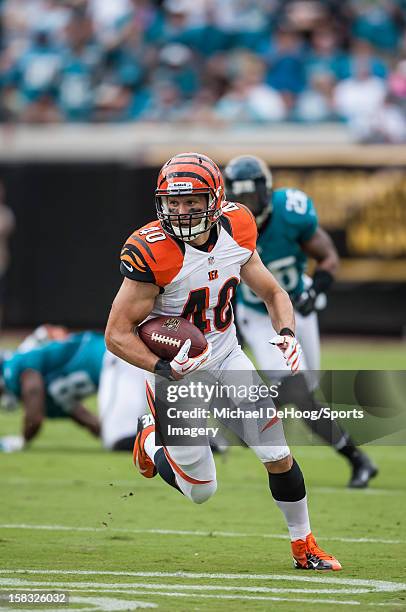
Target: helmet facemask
[{"x": 181, "y": 225}]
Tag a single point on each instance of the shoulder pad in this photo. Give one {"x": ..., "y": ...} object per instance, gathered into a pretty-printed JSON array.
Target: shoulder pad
[
  {"x": 150, "y": 255},
  {"x": 240, "y": 223}
]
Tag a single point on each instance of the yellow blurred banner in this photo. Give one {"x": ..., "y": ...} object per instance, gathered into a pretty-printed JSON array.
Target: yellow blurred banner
[
  {"x": 366, "y": 209},
  {"x": 372, "y": 270}
]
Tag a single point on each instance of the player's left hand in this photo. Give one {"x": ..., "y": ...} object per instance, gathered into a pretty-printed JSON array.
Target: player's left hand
[
  {"x": 182, "y": 364},
  {"x": 11, "y": 444},
  {"x": 291, "y": 350},
  {"x": 305, "y": 304}
]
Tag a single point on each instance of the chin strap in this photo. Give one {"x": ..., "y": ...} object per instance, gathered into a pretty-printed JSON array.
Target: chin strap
[{"x": 198, "y": 229}]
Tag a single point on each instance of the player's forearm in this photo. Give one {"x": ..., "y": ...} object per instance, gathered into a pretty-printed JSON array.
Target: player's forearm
[
  {"x": 130, "y": 347},
  {"x": 321, "y": 248},
  {"x": 132, "y": 305},
  {"x": 31, "y": 428},
  {"x": 33, "y": 400},
  {"x": 329, "y": 264},
  {"x": 280, "y": 310},
  {"x": 33, "y": 415}
]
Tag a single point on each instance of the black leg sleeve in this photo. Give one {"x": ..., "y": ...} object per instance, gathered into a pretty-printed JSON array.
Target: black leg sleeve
[
  {"x": 294, "y": 390},
  {"x": 164, "y": 469},
  {"x": 288, "y": 486}
]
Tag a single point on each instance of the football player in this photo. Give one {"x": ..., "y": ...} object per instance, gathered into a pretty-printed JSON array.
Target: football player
[
  {"x": 52, "y": 371},
  {"x": 51, "y": 380},
  {"x": 288, "y": 235},
  {"x": 188, "y": 263}
]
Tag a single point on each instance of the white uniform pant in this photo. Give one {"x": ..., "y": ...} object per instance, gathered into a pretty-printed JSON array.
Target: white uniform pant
[
  {"x": 194, "y": 466},
  {"x": 121, "y": 399},
  {"x": 256, "y": 329}
]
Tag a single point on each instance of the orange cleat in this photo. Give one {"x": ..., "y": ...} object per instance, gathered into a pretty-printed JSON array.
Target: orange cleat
[
  {"x": 145, "y": 465},
  {"x": 307, "y": 555}
]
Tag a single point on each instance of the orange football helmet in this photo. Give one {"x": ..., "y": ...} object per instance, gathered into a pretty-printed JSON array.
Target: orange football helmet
[{"x": 186, "y": 174}]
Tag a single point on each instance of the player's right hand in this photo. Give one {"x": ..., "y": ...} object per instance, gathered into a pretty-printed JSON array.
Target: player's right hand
[
  {"x": 291, "y": 350},
  {"x": 182, "y": 364},
  {"x": 11, "y": 444}
]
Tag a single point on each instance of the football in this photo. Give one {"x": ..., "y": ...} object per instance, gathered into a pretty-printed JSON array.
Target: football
[{"x": 164, "y": 336}]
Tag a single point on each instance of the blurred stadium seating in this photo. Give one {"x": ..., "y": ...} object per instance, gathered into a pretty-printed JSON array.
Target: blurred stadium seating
[
  {"x": 94, "y": 96},
  {"x": 217, "y": 61}
]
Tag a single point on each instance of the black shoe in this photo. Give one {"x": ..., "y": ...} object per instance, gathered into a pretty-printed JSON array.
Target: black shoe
[{"x": 362, "y": 472}]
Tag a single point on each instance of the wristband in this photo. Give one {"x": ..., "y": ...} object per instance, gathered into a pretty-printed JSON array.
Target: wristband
[
  {"x": 322, "y": 281},
  {"x": 163, "y": 368},
  {"x": 286, "y": 331}
]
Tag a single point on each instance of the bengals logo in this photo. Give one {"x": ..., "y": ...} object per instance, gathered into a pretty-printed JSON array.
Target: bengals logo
[{"x": 172, "y": 324}]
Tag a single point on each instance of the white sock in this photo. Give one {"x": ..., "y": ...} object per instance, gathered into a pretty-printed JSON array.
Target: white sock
[
  {"x": 150, "y": 446},
  {"x": 297, "y": 518}
]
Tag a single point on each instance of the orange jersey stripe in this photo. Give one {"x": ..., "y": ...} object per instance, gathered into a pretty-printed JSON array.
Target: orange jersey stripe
[
  {"x": 152, "y": 251},
  {"x": 150, "y": 398},
  {"x": 270, "y": 423},
  {"x": 181, "y": 473}
]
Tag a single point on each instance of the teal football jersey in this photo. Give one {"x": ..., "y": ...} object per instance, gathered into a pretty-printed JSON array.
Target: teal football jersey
[
  {"x": 293, "y": 220},
  {"x": 70, "y": 368}
]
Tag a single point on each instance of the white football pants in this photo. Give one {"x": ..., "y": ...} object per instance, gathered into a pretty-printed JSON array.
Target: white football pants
[
  {"x": 256, "y": 329},
  {"x": 121, "y": 399},
  {"x": 194, "y": 466}
]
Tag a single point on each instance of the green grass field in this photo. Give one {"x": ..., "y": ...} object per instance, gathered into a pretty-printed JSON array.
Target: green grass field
[{"x": 78, "y": 519}]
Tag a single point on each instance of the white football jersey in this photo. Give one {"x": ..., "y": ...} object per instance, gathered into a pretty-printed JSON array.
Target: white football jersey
[{"x": 195, "y": 284}]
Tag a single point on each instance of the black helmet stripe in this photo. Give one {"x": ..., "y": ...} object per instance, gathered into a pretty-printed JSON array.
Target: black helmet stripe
[
  {"x": 202, "y": 158},
  {"x": 199, "y": 166},
  {"x": 195, "y": 156},
  {"x": 185, "y": 175}
]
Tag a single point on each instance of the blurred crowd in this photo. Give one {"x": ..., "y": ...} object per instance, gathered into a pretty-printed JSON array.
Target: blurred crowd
[{"x": 215, "y": 61}]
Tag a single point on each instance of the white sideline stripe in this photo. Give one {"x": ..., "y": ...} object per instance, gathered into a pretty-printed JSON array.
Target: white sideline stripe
[
  {"x": 159, "y": 593},
  {"x": 378, "y": 585},
  {"x": 238, "y": 597},
  {"x": 123, "y": 587},
  {"x": 222, "y": 534}
]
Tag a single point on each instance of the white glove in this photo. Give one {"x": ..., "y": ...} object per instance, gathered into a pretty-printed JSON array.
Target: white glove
[
  {"x": 291, "y": 349},
  {"x": 182, "y": 364},
  {"x": 11, "y": 444}
]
